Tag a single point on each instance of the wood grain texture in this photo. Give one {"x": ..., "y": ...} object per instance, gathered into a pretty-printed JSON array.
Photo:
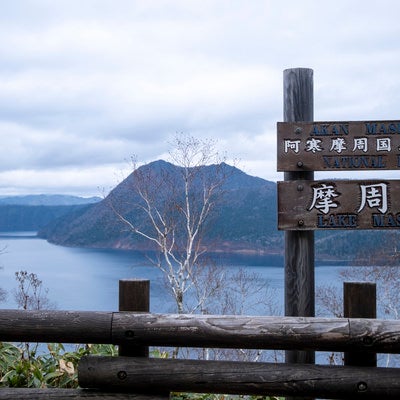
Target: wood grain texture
[
  {"x": 72, "y": 394},
  {"x": 186, "y": 330},
  {"x": 350, "y": 158},
  {"x": 147, "y": 374},
  {"x": 298, "y": 95},
  {"x": 55, "y": 326},
  {"x": 294, "y": 205},
  {"x": 298, "y": 105},
  {"x": 300, "y": 333},
  {"x": 359, "y": 301},
  {"x": 134, "y": 295}
]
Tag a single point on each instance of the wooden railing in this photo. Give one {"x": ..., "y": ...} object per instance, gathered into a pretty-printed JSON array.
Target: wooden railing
[
  {"x": 119, "y": 377},
  {"x": 188, "y": 330}
]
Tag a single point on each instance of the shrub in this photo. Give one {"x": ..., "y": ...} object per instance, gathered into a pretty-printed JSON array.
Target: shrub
[{"x": 22, "y": 367}]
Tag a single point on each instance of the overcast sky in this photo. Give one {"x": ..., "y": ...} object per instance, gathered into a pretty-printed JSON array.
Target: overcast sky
[{"x": 86, "y": 84}]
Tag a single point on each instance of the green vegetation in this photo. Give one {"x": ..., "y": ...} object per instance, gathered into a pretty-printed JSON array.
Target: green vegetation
[
  {"x": 33, "y": 365},
  {"x": 20, "y": 366},
  {"x": 29, "y": 364},
  {"x": 57, "y": 368}
]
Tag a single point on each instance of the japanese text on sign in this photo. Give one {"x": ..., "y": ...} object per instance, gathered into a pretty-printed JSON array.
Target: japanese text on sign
[
  {"x": 338, "y": 205},
  {"x": 338, "y": 145}
]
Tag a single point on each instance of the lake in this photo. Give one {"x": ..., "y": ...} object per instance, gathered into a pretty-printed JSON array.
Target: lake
[{"x": 87, "y": 279}]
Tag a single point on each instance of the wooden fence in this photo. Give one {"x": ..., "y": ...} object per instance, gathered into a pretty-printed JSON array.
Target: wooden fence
[{"x": 126, "y": 376}]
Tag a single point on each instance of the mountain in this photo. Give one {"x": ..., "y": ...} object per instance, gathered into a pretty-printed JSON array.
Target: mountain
[
  {"x": 31, "y": 218},
  {"x": 246, "y": 219},
  {"x": 47, "y": 200},
  {"x": 34, "y": 212}
]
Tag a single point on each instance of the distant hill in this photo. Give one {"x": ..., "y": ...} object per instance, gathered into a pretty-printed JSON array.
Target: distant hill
[
  {"x": 48, "y": 200},
  {"x": 246, "y": 220},
  {"x": 31, "y": 218},
  {"x": 34, "y": 212}
]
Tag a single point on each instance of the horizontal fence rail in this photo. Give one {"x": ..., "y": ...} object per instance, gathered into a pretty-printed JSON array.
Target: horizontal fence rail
[
  {"x": 75, "y": 394},
  {"x": 164, "y": 375},
  {"x": 219, "y": 331}
]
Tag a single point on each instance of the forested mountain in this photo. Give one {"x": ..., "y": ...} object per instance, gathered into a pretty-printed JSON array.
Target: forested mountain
[
  {"x": 33, "y": 212},
  {"x": 30, "y": 218},
  {"x": 245, "y": 221},
  {"x": 47, "y": 200}
]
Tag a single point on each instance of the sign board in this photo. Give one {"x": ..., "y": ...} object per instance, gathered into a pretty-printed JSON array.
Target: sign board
[
  {"x": 338, "y": 146},
  {"x": 340, "y": 204}
]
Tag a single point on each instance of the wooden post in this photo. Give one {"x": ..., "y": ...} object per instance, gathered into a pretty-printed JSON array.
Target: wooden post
[
  {"x": 298, "y": 105},
  {"x": 134, "y": 295},
  {"x": 360, "y": 302},
  {"x": 299, "y": 245}
]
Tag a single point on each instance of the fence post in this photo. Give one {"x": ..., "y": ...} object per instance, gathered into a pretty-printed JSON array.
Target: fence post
[
  {"x": 134, "y": 295},
  {"x": 359, "y": 302}
]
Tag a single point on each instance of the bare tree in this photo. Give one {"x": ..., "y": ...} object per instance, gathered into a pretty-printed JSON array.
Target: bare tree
[
  {"x": 3, "y": 295},
  {"x": 381, "y": 267},
  {"x": 3, "y": 292},
  {"x": 329, "y": 300},
  {"x": 172, "y": 208},
  {"x": 30, "y": 294},
  {"x": 246, "y": 293}
]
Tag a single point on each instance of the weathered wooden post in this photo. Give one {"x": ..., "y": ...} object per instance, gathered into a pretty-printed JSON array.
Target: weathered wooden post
[
  {"x": 359, "y": 302},
  {"x": 134, "y": 295},
  {"x": 299, "y": 245}
]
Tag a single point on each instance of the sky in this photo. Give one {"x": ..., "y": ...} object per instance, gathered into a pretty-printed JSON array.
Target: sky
[{"x": 87, "y": 84}]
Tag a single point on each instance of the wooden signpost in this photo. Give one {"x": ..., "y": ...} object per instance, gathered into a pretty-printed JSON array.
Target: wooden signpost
[
  {"x": 298, "y": 105},
  {"x": 338, "y": 146},
  {"x": 339, "y": 204},
  {"x": 305, "y": 205}
]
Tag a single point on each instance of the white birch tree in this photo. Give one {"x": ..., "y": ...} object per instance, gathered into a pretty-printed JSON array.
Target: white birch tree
[
  {"x": 172, "y": 207},
  {"x": 177, "y": 205}
]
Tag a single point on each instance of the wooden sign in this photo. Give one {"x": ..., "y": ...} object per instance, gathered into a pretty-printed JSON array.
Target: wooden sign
[
  {"x": 339, "y": 204},
  {"x": 338, "y": 146}
]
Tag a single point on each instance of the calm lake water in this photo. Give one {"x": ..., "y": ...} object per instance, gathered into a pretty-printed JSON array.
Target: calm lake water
[{"x": 87, "y": 279}]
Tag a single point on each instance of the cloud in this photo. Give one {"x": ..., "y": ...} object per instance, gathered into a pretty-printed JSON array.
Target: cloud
[
  {"x": 84, "y": 181},
  {"x": 84, "y": 85}
]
